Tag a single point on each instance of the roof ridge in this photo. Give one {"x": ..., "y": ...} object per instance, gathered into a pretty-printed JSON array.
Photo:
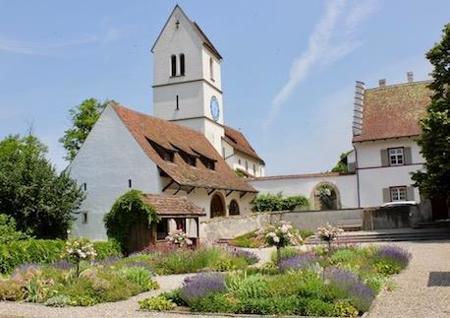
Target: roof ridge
[
  {"x": 116, "y": 104},
  {"x": 397, "y": 85}
]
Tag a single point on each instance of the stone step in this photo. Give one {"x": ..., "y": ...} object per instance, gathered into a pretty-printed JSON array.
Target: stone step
[{"x": 388, "y": 237}]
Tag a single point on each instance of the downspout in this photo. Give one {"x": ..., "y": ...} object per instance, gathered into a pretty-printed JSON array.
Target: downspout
[{"x": 357, "y": 176}]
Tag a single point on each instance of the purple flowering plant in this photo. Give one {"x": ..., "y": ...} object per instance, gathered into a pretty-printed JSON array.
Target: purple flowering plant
[
  {"x": 394, "y": 253},
  {"x": 360, "y": 294},
  {"x": 303, "y": 261},
  {"x": 202, "y": 285}
]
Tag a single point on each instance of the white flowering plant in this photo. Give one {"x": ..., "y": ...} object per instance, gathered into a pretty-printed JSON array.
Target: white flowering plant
[
  {"x": 77, "y": 250},
  {"x": 280, "y": 235},
  {"x": 179, "y": 239},
  {"x": 329, "y": 234}
]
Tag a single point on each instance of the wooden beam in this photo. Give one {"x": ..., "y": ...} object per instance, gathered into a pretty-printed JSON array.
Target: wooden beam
[
  {"x": 242, "y": 194},
  {"x": 228, "y": 193},
  {"x": 211, "y": 191},
  {"x": 167, "y": 186},
  {"x": 190, "y": 190},
  {"x": 178, "y": 190}
]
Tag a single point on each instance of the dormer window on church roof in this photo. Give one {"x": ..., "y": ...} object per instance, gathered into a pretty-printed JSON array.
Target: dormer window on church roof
[{"x": 164, "y": 153}]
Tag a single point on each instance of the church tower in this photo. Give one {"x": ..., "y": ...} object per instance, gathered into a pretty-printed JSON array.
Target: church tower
[{"x": 187, "y": 85}]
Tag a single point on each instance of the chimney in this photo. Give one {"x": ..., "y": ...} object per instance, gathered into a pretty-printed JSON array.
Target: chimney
[
  {"x": 358, "y": 108},
  {"x": 410, "y": 77},
  {"x": 382, "y": 82}
]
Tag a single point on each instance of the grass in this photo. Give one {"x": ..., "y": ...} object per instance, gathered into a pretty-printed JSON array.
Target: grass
[{"x": 251, "y": 239}]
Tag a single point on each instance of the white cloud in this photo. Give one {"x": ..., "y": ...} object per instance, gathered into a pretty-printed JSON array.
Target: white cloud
[
  {"x": 332, "y": 38},
  {"x": 42, "y": 48}
]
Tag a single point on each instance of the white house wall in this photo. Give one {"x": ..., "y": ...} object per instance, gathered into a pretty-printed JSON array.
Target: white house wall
[
  {"x": 108, "y": 158},
  {"x": 346, "y": 185},
  {"x": 373, "y": 177}
]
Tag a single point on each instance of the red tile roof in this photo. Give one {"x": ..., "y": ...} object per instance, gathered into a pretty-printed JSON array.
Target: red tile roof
[
  {"x": 394, "y": 111},
  {"x": 301, "y": 176},
  {"x": 171, "y": 136},
  {"x": 170, "y": 205},
  {"x": 238, "y": 141}
]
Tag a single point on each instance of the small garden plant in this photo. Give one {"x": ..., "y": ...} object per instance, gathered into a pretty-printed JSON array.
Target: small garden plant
[
  {"x": 280, "y": 235},
  {"x": 329, "y": 234},
  {"x": 78, "y": 250},
  {"x": 179, "y": 239}
]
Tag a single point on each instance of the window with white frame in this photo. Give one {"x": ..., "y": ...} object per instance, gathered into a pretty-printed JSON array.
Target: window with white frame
[
  {"x": 396, "y": 157},
  {"x": 398, "y": 193}
]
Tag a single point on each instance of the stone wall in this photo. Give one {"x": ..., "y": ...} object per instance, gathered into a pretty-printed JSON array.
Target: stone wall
[{"x": 227, "y": 228}]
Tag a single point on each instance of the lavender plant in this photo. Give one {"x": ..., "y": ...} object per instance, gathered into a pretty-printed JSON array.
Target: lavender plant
[
  {"x": 394, "y": 253},
  {"x": 360, "y": 294},
  {"x": 201, "y": 285},
  {"x": 303, "y": 261}
]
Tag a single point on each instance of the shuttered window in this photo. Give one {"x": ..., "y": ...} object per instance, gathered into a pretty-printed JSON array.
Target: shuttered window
[
  {"x": 396, "y": 157},
  {"x": 398, "y": 193}
]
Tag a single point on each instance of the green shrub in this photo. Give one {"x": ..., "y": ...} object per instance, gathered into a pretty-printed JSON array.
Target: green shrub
[
  {"x": 58, "y": 301},
  {"x": 128, "y": 210},
  {"x": 277, "y": 202},
  {"x": 16, "y": 253},
  {"x": 343, "y": 308},
  {"x": 318, "y": 307},
  {"x": 215, "y": 303},
  {"x": 247, "y": 286},
  {"x": 8, "y": 230},
  {"x": 106, "y": 249},
  {"x": 140, "y": 276},
  {"x": 289, "y": 305},
  {"x": 159, "y": 303},
  {"x": 387, "y": 267},
  {"x": 248, "y": 240},
  {"x": 174, "y": 296}
]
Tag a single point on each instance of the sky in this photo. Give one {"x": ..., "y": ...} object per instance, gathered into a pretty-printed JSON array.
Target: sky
[{"x": 288, "y": 72}]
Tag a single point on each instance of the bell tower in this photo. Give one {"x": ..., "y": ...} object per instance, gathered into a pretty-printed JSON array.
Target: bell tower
[{"x": 187, "y": 86}]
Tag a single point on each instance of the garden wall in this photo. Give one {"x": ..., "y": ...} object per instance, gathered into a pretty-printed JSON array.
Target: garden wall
[{"x": 227, "y": 228}]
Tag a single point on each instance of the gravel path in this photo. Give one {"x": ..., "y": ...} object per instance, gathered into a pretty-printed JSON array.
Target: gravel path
[{"x": 423, "y": 289}]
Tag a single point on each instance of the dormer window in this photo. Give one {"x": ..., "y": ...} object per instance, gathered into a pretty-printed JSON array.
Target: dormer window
[
  {"x": 165, "y": 154},
  {"x": 182, "y": 68},
  {"x": 189, "y": 159},
  {"x": 173, "y": 65},
  {"x": 207, "y": 162}
]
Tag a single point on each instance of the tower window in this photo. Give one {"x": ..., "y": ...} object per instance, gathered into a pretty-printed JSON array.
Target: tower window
[
  {"x": 130, "y": 183},
  {"x": 84, "y": 219},
  {"x": 211, "y": 68},
  {"x": 182, "y": 64},
  {"x": 173, "y": 65},
  {"x": 85, "y": 186},
  {"x": 177, "y": 103}
]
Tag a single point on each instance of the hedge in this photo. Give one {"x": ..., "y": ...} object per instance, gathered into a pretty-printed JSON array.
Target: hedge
[{"x": 16, "y": 253}]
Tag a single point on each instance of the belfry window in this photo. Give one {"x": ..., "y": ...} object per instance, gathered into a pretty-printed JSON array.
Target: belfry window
[
  {"x": 177, "y": 103},
  {"x": 173, "y": 65},
  {"x": 182, "y": 68},
  {"x": 211, "y": 68}
]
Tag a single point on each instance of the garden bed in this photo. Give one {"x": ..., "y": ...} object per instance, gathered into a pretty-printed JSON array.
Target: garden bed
[
  {"x": 114, "y": 278},
  {"x": 342, "y": 283}
]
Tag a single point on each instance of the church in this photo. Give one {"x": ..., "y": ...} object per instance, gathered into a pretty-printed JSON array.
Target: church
[{"x": 184, "y": 157}]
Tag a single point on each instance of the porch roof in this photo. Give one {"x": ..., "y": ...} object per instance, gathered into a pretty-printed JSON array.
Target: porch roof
[{"x": 170, "y": 205}]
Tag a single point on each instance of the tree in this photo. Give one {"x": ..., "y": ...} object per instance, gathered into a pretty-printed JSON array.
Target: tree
[
  {"x": 342, "y": 165},
  {"x": 83, "y": 117},
  {"x": 434, "y": 141},
  {"x": 126, "y": 212},
  {"x": 31, "y": 191}
]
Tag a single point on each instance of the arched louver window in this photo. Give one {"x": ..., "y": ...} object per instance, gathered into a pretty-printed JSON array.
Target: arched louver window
[
  {"x": 211, "y": 68},
  {"x": 182, "y": 64},
  {"x": 173, "y": 65}
]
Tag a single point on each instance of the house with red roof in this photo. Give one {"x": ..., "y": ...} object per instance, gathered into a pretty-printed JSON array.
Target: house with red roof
[
  {"x": 386, "y": 124},
  {"x": 183, "y": 157}
]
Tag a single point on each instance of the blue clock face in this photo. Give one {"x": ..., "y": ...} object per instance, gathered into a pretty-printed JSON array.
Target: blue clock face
[{"x": 215, "y": 110}]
